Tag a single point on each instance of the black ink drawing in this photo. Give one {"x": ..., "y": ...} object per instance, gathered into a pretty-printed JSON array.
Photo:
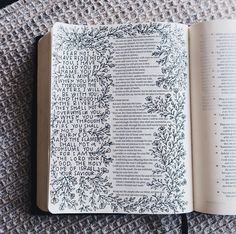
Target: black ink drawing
[{"x": 91, "y": 193}]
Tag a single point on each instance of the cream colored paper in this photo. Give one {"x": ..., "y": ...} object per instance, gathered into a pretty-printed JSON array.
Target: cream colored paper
[
  {"x": 147, "y": 168},
  {"x": 213, "y": 102}
]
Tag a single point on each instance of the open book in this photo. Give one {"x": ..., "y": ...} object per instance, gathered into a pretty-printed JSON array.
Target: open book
[{"x": 117, "y": 129}]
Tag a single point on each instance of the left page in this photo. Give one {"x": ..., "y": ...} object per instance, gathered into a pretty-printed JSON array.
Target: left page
[{"x": 120, "y": 121}]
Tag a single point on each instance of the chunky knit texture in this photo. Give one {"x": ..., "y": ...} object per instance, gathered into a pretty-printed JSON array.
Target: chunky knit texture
[{"x": 20, "y": 24}]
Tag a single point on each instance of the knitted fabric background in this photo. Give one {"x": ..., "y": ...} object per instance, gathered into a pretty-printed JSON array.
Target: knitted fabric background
[{"x": 20, "y": 24}]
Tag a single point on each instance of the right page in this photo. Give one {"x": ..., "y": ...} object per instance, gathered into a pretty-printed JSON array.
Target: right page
[{"x": 213, "y": 101}]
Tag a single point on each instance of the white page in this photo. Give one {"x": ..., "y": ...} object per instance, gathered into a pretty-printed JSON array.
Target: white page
[
  {"x": 120, "y": 124},
  {"x": 213, "y": 102}
]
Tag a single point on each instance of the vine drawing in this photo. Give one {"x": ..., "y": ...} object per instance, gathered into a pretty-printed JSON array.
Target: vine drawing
[{"x": 92, "y": 193}]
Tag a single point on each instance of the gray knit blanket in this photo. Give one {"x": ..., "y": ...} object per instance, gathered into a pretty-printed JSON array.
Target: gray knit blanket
[{"x": 20, "y": 24}]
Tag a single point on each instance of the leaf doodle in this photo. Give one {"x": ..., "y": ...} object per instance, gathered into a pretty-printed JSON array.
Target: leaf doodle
[
  {"x": 168, "y": 145},
  {"x": 93, "y": 192}
]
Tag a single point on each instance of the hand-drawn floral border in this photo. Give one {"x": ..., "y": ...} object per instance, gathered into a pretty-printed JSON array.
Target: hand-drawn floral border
[{"x": 91, "y": 193}]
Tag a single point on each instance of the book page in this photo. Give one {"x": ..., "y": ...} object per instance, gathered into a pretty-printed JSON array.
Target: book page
[
  {"x": 120, "y": 119},
  {"x": 213, "y": 102}
]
